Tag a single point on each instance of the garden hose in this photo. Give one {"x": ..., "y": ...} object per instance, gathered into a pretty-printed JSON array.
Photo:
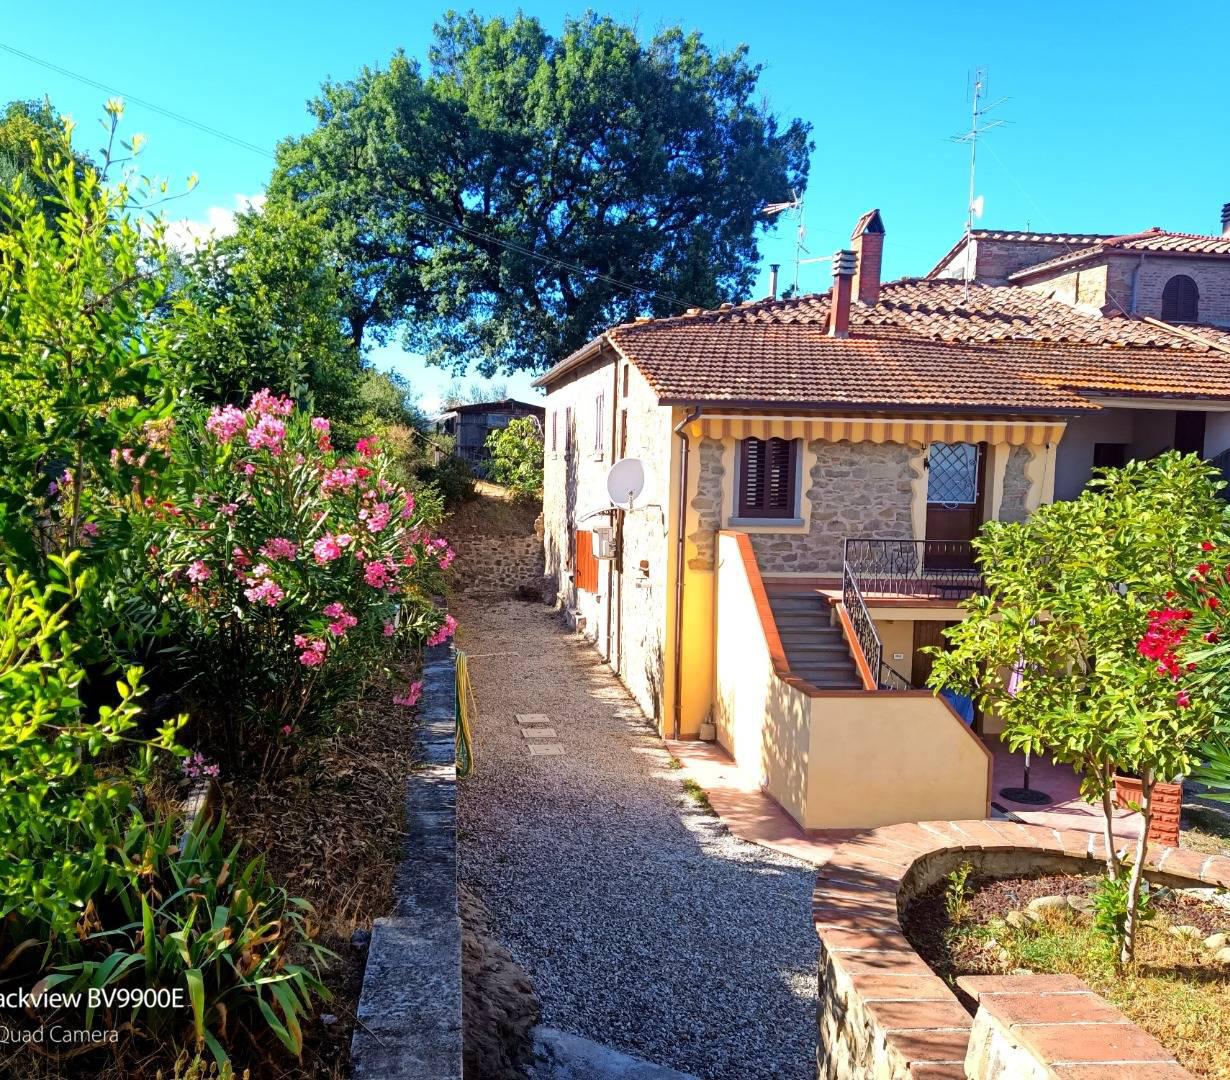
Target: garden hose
[{"x": 467, "y": 708}]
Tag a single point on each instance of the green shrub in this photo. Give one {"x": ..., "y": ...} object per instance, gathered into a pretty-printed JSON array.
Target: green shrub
[
  {"x": 271, "y": 572},
  {"x": 58, "y": 804},
  {"x": 452, "y": 477},
  {"x": 196, "y": 917},
  {"x": 516, "y": 456}
]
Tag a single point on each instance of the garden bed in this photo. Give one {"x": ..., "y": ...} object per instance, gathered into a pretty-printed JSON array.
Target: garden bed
[{"x": 1179, "y": 991}]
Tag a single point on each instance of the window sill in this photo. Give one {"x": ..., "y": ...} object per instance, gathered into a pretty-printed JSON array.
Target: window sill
[{"x": 766, "y": 523}]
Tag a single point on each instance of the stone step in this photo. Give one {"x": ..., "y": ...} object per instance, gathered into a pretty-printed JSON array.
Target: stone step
[
  {"x": 808, "y": 646},
  {"x": 797, "y": 602},
  {"x": 561, "y": 1056},
  {"x": 804, "y": 620}
]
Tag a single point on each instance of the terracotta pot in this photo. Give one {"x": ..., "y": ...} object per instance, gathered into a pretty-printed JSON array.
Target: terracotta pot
[{"x": 1167, "y": 806}]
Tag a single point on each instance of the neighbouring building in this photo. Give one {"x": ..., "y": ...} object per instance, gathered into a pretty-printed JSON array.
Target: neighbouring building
[
  {"x": 815, "y": 470},
  {"x": 470, "y": 425}
]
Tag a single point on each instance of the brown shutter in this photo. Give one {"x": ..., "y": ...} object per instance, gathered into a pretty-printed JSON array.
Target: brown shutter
[
  {"x": 586, "y": 564},
  {"x": 767, "y": 474}
]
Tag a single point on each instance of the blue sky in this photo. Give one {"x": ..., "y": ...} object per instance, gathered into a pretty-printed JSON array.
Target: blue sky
[{"x": 1116, "y": 112}]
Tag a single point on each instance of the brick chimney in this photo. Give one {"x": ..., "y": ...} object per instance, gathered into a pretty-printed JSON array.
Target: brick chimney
[
  {"x": 839, "y": 304},
  {"x": 868, "y": 243},
  {"x": 1225, "y": 220}
]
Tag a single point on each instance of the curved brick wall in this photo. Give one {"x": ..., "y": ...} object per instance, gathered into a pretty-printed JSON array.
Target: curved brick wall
[{"x": 884, "y": 1014}]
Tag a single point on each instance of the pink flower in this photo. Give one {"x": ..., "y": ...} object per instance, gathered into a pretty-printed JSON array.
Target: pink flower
[
  {"x": 229, "y": 509},
  {"x": 446, "y": 560},
  {"x": 279, "y": 547},
  {"x": 1183, "y": 699},
  {"x": 268, "y": 434},
  {"x": 343, "y": 623},
  {"x": 376, "y": 517},
  {"x": 266, "y": 403},
  {"x": 411, "y": 697},
  {"x": 239, "y": 558},
  {"x": 366, "y": 447},
  {"x": 287, "y": 729},
  {"x": 89, "y": 528},
  {"x": 447, "y": 629},
  {"x": 262, "y": 588},
  {"x": 313, "y": 650},
  {"x": 225, "y": 423},
  {"x": 338, "y": 480},
  {"x": 248, "y": 468},
  {"x": 389, "y": 629},
  {"x": 380, "y": 573},
  {"x": 199, "y": 572},
  {"x": 197, "y": 765},
  {"x": 320, "y": 425},
  {"x": 334, "y": 609},
  {"x": 326, "y": 549}
]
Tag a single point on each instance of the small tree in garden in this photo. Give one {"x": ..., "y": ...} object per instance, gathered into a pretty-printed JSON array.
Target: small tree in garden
[
  {"x": 516, "y": 456},
  {"x": 1074, "y": 643},
  {"x": 271, "y": 568}
]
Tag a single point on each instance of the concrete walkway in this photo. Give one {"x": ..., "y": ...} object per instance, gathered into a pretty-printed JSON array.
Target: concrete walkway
[{"x": 643, "y": 923}]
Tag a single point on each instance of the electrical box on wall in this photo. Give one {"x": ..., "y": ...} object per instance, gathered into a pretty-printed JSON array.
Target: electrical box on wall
[{"x": 604, "y": 542}]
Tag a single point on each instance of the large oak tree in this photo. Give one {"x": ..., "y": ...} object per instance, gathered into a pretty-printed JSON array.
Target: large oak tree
[{"x": 494, "y": 204}]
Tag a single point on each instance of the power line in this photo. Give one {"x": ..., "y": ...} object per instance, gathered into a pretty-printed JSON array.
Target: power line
[{"x": 235, "y": 140}]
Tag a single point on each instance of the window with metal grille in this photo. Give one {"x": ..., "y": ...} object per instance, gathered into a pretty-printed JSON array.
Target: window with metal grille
[
  {"x": 952, "y": 474},
  {"x": 1181, "y": 300},
  {"x": 768, "y": 469}
]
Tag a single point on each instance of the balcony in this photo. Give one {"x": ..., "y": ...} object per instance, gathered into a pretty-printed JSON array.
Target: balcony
[{"x": 926, "y": 569}]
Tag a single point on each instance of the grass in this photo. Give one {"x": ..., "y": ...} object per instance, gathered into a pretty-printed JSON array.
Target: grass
[
  {"x": 1205, "y": 829},
  {"x": 1177, "y": 992},
  {"x": 697, "y": 794}
]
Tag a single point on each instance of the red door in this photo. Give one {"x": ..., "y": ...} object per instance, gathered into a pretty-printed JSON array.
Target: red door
[{"x": 956, "y": 474}]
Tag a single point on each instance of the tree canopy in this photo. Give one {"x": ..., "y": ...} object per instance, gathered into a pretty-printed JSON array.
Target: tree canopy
[{"x": 494, "y": 204}]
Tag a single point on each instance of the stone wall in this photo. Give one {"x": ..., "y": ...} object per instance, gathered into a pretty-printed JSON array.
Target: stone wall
[
  {"x": 1013, "y": 506},
  {"x": 500, "y": 565},
  {"x": 410, "y": 1007},
  {"x": 707, "y": 502},
  {"x": 857, "y": 489}
]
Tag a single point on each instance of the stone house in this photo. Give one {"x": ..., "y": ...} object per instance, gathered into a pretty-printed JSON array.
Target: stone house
[
  {"x": 469, "y": 425},
  {"x": 815, "y": 469}
]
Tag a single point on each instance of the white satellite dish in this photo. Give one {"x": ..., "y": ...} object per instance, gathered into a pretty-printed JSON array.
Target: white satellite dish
[{"x": 625, "y": 481}]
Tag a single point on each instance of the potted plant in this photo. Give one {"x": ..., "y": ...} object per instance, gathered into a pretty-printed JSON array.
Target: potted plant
[{"x": 1167, "y": 805}]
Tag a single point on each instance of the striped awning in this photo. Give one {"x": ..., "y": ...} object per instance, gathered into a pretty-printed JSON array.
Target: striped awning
[{"x": 878, "y": 430}]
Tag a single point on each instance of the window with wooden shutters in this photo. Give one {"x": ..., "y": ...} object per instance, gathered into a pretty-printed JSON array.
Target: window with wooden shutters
[
  {"x": 1181, "y": 300},
  {"x": 768, "y": 470}
]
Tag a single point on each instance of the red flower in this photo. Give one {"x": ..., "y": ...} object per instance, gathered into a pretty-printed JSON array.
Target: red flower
[
  {"x": 1207, "y": 546},
  {"x": 1211, "y": 637},
  {"x": 1213, "y": 603},
  {"x": 1203, "y": 569},
  {"x": 1183, "y": 699}
]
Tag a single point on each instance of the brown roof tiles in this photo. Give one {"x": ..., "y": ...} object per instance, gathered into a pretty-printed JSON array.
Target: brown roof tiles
[{"x": 924, "y": 344}]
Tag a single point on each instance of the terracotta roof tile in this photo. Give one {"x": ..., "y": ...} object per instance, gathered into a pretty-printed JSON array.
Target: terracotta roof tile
[
  {"x": 926, "y": 343},
  {"x": 1151, "y": 240}
]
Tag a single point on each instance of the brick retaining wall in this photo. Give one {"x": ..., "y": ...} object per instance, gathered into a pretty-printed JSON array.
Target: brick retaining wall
[{"x": 883, "y": 1013}]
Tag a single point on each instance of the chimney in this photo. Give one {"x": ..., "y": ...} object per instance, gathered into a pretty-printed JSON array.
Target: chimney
[
  {"x": 773, "y": 269},
  {"x": 1225, "y": 220},
  {"x": 868, "y": 241},
  {"x": 839, "y": 303}
]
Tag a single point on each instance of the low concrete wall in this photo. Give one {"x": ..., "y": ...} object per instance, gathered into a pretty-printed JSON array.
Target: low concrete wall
[
  {"x": 884, "y": 1013},
  {"x": 410, "y": 1007}
]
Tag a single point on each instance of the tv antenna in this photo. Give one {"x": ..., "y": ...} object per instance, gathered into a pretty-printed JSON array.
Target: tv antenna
[
  {"x": 795, "y": 206},
  {"x": 979, "y": 126}
]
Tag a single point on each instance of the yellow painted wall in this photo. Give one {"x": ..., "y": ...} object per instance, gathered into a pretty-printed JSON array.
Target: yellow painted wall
[
  {"x": 897, "y": 636},
  {"x": 884, "y": 758},
  {"x": 761, "y": 721}
]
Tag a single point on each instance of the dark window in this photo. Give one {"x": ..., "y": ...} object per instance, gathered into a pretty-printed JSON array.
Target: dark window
[
  {"x": 767, "y": 472},
  {"x": 625, "y": 390},
  {"x": 554, "y": 431},
  {"x": 599, "y": 422},
  {"x": 1189, "y": 432},
  {"x": 1181, "y": 300},
  {"x": 1109, "y": 455},
  {"x": 568, "y": 430}
]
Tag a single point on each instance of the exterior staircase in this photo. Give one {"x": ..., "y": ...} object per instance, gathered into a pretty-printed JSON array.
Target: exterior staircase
[{"x": 815, "y": 649}]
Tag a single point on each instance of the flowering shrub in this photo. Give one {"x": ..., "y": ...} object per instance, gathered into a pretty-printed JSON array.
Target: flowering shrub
[
  {"x": 516, "y": 456},
  {"x": 274, "y": 567}
]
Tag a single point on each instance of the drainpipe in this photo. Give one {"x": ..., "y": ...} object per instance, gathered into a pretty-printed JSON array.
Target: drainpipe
[
  {"x": 680, "y": 542},
  {"x": 1135, "y": 277}
]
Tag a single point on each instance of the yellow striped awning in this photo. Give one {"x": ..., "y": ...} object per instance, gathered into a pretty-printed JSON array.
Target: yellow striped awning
[{"x": 878, "y": 429}]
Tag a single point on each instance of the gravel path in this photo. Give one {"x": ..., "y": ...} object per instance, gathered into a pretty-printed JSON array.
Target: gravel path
[{"x": 643, "y": 923}]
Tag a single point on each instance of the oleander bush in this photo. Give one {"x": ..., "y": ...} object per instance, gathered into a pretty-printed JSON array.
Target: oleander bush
[{"x": 270, "y": 572}]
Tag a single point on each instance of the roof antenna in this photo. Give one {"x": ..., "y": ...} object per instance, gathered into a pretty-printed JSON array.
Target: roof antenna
[
  {"x": 795, "y": 204},
  {"x": 978, "y": 127}
]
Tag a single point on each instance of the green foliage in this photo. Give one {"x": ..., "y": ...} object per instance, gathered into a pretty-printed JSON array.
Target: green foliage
[
  {"x": 268, "y": 572},
  {"x": 463, "y": 199},
  {"x": 956, "y": 892},
  {"x": 57, "y": 804},
  {"x": 451, "y": 477},
  {"x": 197, "y": 916},
  {"x": 516, "y": 456},
  {"x": 23, "y": 126},
  {"x": 263, "y": 309},
  {"x": 1058, "y": 644},
  {"x": 84, "y": 353},
  {"x": 1111, "y": 901}
]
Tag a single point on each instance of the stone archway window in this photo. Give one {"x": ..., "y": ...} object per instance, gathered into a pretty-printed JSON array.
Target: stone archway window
[{"x": 1181, "y": 300}]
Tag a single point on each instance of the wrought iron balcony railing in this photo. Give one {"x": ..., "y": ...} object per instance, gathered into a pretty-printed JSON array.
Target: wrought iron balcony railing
[
  {"x": 887, "y": 677},
  {"x": 943, "y": 569}
]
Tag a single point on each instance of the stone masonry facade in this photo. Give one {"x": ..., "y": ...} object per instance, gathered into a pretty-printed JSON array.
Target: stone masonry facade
[
  {"x": 857, "y": 489},
  {"x": 707, "y": 502},
  {"x": 1013, "y": 506}
]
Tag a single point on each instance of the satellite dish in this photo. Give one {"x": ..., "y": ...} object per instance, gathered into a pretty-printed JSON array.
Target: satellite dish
[{"x": 625, "y": 481}]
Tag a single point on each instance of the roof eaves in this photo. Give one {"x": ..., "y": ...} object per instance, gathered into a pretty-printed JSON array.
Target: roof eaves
[
  {"x": 585, "y": 352},
  {"x": 861, "y": 407}
]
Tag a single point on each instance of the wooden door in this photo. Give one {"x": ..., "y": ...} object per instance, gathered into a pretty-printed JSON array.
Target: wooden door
[
  {"x": 956, "y": 487},
  {"x": 927, "y": 632}
]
